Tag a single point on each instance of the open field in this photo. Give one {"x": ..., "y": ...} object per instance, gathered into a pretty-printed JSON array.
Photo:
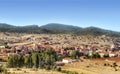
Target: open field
[
  {"x": 92, "y": 67},
  {"x": 31, "y": 71}
]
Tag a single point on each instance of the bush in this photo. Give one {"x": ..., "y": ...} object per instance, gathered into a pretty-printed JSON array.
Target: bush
[
  {"x": 75, "y": 73},
  {"x": 47, "y": 67},
  {"x": 88, "y": 56},
  {"x": 105, "y": 64},
  {"x": 96, "y": 55},
  {"x": 87, "y": 66},
  {"x": 3, "y": 70},
  {"x": 69, "y": 72},
  {"x": 116, "y": 70},
  {"x": 108, "y": 64},
  {"x": 115, "y": 64},
  {"x": 63, "y": 71},
  {"x": 59, "y": 69},
  {"x": 54, "y": 68},
  {"x": 106, "y": 56}
]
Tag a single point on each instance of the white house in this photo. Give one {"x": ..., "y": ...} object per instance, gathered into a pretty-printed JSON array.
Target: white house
[
  {"x": 67, "y": 60},
  {"x": 2, "y": 47},
  {"x": 112, "y": 54},
  {"x": 101, "y": 54}
]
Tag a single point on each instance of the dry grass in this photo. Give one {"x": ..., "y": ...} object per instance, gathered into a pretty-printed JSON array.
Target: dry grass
[
  {"x": 31, "y": 71},
  {"x": 91, "y": 67}
]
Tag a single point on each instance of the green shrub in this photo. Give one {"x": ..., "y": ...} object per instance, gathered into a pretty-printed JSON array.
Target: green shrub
[
  {"x": 59, "y": 69},
  {"x": 69, "y": 72}
]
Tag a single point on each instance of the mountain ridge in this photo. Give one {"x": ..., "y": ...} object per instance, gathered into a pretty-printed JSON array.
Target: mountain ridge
[{"x": 56, "y": 28}]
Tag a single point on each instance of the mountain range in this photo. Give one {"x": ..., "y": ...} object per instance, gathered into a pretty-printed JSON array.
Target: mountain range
[{"x": 55, "y": 28}]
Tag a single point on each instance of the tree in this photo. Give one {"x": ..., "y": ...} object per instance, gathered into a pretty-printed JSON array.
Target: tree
[
  {"x": 35, "y": 60},
  {"x": 75, "y": 54},
  {"x": 15, "y": 61},
  {"x": 38, "y": 59},
  {"x": 20, "y": 61},
  {"x": 96, "y": 55},
  {"x": 59, "y": 57},
  {"x": 88, "y": 56},
  {"x": 41, "y": 59},
  {"x": 28, "y": 62},
  {"x": 10, "y": 62}
]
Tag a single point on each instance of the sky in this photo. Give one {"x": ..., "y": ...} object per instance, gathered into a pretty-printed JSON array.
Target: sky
[{"x": 83, "y": 13}]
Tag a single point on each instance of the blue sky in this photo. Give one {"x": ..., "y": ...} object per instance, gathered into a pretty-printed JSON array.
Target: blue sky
[{"x": 84, "y": 13}]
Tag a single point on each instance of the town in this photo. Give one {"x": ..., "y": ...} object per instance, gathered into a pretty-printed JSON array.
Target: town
[
  {"x": 70, "y": 48},
  {"x": 61, "y": 43}
]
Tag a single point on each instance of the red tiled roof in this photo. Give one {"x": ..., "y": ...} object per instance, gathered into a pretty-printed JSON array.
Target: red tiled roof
[{"x": 67, "y": 59}]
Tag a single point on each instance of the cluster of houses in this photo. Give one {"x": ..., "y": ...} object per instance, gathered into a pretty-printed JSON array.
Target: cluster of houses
[
  {"x": 63, "y": 46},
  {"x": 27, "y": 49}
]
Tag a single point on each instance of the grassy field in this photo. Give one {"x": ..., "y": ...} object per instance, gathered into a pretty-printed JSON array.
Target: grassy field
[
  {"x": 31, "y": 71},
  {"x": 91, "y": 67}
]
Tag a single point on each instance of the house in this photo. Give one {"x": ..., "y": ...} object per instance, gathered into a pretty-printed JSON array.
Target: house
[
  {"x": 3, "y": 58},
  {"x": 102, "y": 54},
  {"x": 67, "y": 60},
  {"x": 2, "y": 47},
  {"x": 112, "y": 54}
]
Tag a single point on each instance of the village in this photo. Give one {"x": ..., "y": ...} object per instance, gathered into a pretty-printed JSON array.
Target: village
[
  {"x": 61, "y": 43},
  {"x": 98, "y": 50}
]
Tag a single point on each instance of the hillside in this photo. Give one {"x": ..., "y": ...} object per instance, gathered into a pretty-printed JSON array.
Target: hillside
[
  {"x": 60, "y": 28},
  {"x": 96, "y": 32},
  {"x": 55, "y": 28}
]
